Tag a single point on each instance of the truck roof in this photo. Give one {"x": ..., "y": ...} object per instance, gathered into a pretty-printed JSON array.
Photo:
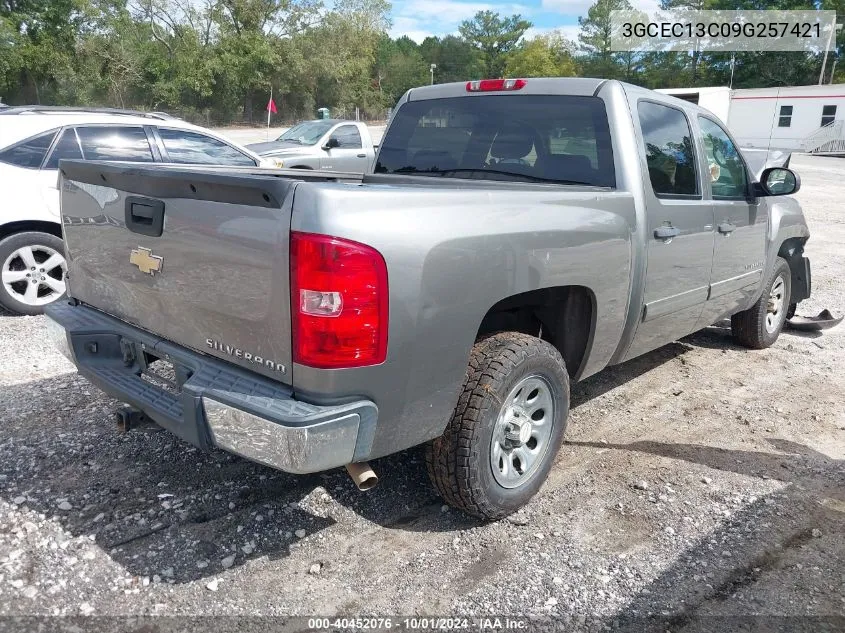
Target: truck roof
[
  {"x": 576, "y": 86},
  {"x": 541, "y": 85}
]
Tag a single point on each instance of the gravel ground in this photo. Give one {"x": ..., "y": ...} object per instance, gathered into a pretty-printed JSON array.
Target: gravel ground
[{"x": 700, "y": 480}]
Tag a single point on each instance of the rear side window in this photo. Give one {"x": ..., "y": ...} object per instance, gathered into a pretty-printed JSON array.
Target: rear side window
[
  {"x": 669, "y": 150},
  {"x": 529, "y": 138},
  {"x": 348, "y": 137},
  {"x": 66, "y": 147},
  {"x": 115, "y": 143},
  {"x": 29, "y": 153},
  {"x": 198, "y": 149}
]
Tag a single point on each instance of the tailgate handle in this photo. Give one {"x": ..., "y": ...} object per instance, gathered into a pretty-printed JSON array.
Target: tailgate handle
[{"x": 145, "y": 215}]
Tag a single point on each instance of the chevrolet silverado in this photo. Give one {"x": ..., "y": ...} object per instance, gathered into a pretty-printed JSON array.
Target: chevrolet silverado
[{"x": 513, "y": 236}]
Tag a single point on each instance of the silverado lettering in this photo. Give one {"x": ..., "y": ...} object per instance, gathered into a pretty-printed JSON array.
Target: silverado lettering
[{"x": 239, "y": 353}]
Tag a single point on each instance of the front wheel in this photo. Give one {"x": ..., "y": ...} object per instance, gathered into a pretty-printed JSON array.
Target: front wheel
[
  {"x": 505, "y": 432},
  {"x": 32, "y": 271},
  {"x": 760, "y": 325}
]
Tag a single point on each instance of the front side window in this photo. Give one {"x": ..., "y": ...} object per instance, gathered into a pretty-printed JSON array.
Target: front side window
[
  {"x": 828, "y": 114},
  {"x": 307, "y": 133},
  {"x": 29, "y": 153},
  {"x": 562, "y": 139},
  {"x": 198, "y": 149},
  {"x": 66, "y": 147},
  {"x": 669, "y": 150},
  {"x": 785, "y": 118},
  {"x": 728, "y": 178},
  {"x": 115, "y": 143},
  {"x": 347, "y": 137}
]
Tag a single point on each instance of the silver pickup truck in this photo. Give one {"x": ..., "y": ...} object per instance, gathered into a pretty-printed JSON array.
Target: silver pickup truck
[
  {"x": 515, "y": 235},
  {"x": 326, "y": 144}
]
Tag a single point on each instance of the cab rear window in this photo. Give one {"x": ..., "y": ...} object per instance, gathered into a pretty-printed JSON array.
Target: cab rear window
[
  {"x": 539, "y": 138},
  {"x": 29, "y": 153}
]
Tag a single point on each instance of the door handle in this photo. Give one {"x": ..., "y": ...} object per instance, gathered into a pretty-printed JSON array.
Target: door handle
[
  {"x": 666, "y": 232},
  {"x": 726, "y": 228},
  {"x": 144, "y": 216},
  {"x": 362, "y": 155}
]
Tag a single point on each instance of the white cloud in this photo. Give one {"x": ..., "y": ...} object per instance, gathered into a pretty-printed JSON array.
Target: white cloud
[
  {"x": 579, "y": 7},
  {"x": 567, "y": 7},
  {"x": 442, "y": 17},
  {"x": 569, "y": 31}
]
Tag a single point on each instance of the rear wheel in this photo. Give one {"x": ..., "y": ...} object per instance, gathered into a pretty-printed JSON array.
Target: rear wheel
[
  {"x": 32, "y": 271},
  {"x": 504, "y": 435},
  {"x": 760, "y": 325}
]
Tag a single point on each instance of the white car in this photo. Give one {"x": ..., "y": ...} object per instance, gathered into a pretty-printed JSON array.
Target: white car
[{"x": 32, "y": 141}]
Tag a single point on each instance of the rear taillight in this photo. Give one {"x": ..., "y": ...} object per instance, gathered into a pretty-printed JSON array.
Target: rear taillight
[
  {"x": 493, "y": 85},
  {"x": 338, "y": 302}
]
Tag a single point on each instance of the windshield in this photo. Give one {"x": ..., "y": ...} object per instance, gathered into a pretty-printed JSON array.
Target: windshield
[
  {"x": 526, "y": 138},
  {"x": 307, "y": 133}
]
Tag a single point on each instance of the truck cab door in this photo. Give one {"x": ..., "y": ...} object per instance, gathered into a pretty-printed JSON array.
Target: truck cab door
[
  {"x": 741, "y": 223},
  {"x": 344, "y": 150},
  {"x": 680, "y": 231}
]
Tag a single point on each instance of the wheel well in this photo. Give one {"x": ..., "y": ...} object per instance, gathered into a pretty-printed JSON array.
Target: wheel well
[
  {"x": 563, "y": 316},
  {"x": 792, "y": 247},
  {"x": 53, "y": 228}
]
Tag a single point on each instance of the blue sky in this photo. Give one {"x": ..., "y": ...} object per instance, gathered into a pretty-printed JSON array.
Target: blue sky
[{"x": 420, "y": 18}]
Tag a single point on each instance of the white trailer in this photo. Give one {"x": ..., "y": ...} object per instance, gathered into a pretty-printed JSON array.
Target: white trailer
[{"x": 796, "y": 118}]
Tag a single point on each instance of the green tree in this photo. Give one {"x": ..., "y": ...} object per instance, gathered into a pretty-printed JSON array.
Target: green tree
[
  {"x": 399, "y": 66},
  {"x": 495, "y": 37},
  {"x": 456, "y": 59},
  {"x": 43, "y": 38},
  {"x": 544, "y": 56},
  {"x": 595, "y": 40}
]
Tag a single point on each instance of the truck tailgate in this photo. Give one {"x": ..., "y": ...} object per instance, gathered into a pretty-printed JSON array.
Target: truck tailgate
[{"x": 196, "y": 256}]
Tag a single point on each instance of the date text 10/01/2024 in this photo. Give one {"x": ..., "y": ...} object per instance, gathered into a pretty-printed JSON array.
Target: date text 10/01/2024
[{"x": 418, "y": 624}]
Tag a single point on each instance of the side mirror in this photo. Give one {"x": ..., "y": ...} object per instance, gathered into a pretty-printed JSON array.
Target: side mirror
[
  {"x": 778, "y": 181},
  {"x": 331, "y": 144}
]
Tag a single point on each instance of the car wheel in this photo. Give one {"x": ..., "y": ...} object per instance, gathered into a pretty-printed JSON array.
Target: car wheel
[
  {"x": 32, "y": 271},
  {"x": 760, "y": 325},
  {"x": 507, "y": 428},
  {"x": 791, "y": 312}
]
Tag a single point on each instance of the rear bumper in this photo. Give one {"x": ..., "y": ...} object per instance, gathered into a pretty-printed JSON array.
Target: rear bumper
[{"x": 211, "y": 403}]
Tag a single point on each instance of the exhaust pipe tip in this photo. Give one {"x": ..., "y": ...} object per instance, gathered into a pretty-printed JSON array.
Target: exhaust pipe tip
[{"x": 362, "y": 476}]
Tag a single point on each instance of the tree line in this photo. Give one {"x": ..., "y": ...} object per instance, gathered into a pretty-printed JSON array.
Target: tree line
[{"x": 216, "y": 61}]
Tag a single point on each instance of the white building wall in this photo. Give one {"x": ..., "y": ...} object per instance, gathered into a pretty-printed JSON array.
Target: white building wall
[{"x": 755, "y": 113}]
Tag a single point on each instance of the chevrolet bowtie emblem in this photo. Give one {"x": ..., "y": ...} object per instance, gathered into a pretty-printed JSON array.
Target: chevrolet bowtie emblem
[{"x": 144, "y": 259}]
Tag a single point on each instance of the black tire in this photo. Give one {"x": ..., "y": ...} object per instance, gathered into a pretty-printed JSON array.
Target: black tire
[
  {"x": 459, "y": 461},
  {"x": 10, "y": 245},
  {"x": 791, "y": 312},
  {"x": 749, "y": 326}
]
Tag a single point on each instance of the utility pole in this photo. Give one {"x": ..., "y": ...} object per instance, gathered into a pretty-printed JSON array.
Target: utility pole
[
  {"x": 836, "y": 28},
  {"x": 431, "y": 70},
  {"x": 733, "y": 65}
]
